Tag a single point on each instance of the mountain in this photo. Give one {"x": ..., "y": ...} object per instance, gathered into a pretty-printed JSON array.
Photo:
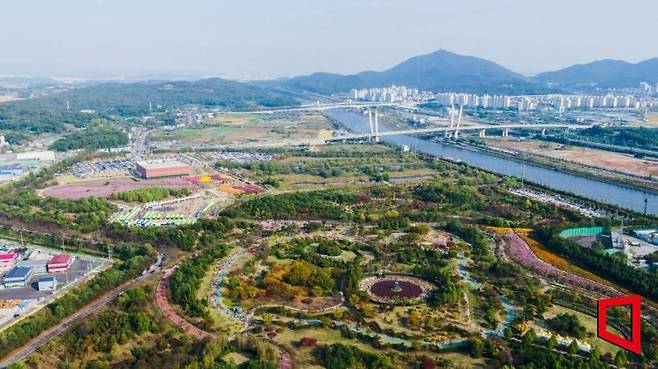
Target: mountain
[
  {"x": 438, "y": 71},
  {"x": 605, "y": 73}
]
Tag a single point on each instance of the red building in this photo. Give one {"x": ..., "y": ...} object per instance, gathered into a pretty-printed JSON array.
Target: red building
[
  {"x": 308, "y": 341},
  {"x": 7, "y": 259},
  {"x": 162, "y": 168},
  {"x": 60, "y": 263}
]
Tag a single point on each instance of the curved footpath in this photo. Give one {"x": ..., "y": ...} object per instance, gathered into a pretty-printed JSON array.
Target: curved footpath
[
  {"x": 165, "y": 307},
  {"x": 163, "y": 303},
  {"x": 216, "y": 289},
  {"x": 238, "y": 316},
  {"x": 450, "y": 343}
]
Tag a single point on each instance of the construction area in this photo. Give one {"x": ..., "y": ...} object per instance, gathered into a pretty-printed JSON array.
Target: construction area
[
  {"x": 32, "y": 276},
  {"x": 619, "y": 162}
]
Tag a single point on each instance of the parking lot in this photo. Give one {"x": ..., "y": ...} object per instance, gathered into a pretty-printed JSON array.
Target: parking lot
[
  {"x": 109, "y": 168},
  {"x": 79, "y": 269},
  {"x": 18, "y": 302},
  {"x": 239, "y": 156}
]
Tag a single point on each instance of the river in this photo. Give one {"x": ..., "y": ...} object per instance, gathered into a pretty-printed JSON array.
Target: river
[{"x": 625, "y": 197}]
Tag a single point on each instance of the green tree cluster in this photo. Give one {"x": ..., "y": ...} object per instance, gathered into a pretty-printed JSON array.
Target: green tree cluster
[{"x": 149, "y": 194}]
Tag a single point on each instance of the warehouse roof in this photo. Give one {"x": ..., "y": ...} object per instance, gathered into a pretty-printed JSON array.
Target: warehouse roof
[
  {"x": 7, "y": 256},
  {"x": 157, "y": 164},
  {"x": 60, "y": 259},
  {"x": 47, "y": 278},
  {"x": 18, "y": 272}
]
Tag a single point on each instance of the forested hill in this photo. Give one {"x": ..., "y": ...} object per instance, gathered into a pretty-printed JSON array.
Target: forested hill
[{"x": 48, "y": 114}]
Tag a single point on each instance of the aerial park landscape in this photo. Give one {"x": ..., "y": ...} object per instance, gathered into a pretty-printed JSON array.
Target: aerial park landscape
[{"x": 411, "y": 208}]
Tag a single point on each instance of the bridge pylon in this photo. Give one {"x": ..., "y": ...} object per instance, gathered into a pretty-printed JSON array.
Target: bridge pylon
[
  {"x": 376, "y": 124},
  {"x": 372, "y": 127}
]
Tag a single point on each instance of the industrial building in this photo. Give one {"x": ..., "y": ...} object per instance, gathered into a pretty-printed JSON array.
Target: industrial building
[
  {"x": 15, "y": 169},
  {"x": 7, "y": 259},
  {"x": 162, "y": 168},
  {"x": 18, "y": 277},
  {"x": 60, "y": 263},
  {"x": 47, "y": 283},
  {"x": 36, "y": 155}
]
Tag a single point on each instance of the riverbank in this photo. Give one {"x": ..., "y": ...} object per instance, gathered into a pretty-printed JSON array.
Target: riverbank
[
  {"x": 594, "y": 172},
  {"x": 622, "y": 196}
]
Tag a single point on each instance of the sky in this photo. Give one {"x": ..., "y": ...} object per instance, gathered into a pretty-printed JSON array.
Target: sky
[{"x": 256, "y": 39}]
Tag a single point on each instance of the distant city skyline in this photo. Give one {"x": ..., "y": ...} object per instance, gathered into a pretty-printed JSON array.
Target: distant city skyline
[{"x": 265, "y": 39}]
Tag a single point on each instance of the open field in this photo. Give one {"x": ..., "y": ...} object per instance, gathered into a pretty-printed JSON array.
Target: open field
[
  {"x": 236, "y": 129},
  {"x": 104, "y": 188},
  {"x": 581, "y": 155},
  {"x": 652, "y": 121}
]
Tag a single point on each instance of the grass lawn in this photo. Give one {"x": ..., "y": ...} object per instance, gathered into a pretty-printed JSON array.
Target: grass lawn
[
  {"x": 324, "y": 336},
  {"x": 235, "y": 358},
  {"x": 356, "y": 148},
  {"x": 589, "y": 323},
  {"x": 303, "y": 357},
  {"x": 194, "y": 135}
]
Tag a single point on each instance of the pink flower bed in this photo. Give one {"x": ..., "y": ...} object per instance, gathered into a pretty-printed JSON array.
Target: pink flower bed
[
  {"x": 248, "y": 188},
  {"x": 521, "y": 253},
  {"x": 104, "y": 188}
]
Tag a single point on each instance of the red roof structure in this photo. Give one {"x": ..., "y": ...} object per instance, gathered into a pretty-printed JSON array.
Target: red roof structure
[
  {"x": 60, "y": 263},
  {"x": 308, "y": 341},
  {"x": 7, "y": 257}
]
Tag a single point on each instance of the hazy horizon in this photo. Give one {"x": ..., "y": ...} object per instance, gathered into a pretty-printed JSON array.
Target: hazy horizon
[{"x": 258, "y": 39}]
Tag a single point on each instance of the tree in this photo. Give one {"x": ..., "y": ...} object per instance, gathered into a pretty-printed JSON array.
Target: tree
[
  {"x": 552, "y": 342},
  {"x": 476, "y": 347},
  {"x": 529, "y": 337},
  {"x": 621, "y": 360},
  {"x": 573, "y": 347},
  {"x": 568, "y": 325}
]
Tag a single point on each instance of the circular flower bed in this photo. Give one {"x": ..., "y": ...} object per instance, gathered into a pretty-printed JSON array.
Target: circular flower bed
[{"x": 396, "y": 289}]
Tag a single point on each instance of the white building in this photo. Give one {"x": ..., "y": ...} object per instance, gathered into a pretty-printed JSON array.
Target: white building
[{"x": 47, "y": 283}]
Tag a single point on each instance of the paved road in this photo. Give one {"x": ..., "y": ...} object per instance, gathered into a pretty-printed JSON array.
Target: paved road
[{"x": 70, "y": 321}]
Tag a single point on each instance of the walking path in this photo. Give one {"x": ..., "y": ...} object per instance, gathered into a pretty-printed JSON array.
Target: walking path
[
  {"x": 234, "y": 314},
  {"x": 165, "y": 307}
]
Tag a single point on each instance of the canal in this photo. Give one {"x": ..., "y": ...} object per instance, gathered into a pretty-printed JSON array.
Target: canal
[{"x": 626, "y": 197}]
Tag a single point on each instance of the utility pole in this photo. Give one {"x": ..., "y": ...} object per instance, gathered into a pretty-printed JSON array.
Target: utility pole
[
  {"x": 64, "y": 249},
  {"x": 646, "y": 202}
]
